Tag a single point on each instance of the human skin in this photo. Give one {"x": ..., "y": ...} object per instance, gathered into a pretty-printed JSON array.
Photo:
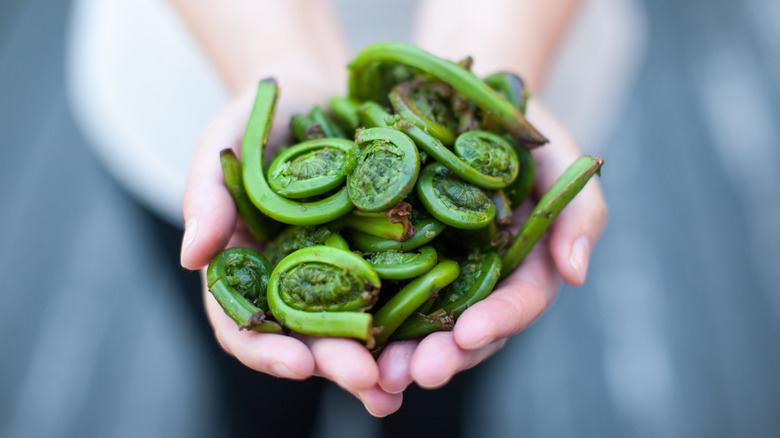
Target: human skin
[{"x": 230, "y": 35}]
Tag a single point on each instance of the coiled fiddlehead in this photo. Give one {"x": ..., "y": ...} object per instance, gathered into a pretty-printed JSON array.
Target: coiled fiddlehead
[
  {"x": 428, "y": 106},
  {"x": 478, "y": 275},
  {"x": 397, "y": 265},
  {"x": 452, "y": 200},
  {"x": 385, "y": 170},
  {"x": 324, "y": 291},
  {"x": 396, "y": 310},
  {"x": 374, "y": 115},
  {"x": 312, "y": 167},
  {"x": 265, "y": 199},
  {"x": 238, "y": 277},
  {"x": 459, "y": 78},
  {"x": 490, "y": 155}
]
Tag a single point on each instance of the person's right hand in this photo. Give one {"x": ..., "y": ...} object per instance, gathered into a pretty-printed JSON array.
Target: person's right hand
[{"x": 211, "y": 225}]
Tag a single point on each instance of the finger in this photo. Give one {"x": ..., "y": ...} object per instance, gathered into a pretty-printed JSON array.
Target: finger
[
  {"x": 277, "y": 355},
  {"x": 208, "y": 209},
  {"x": 343, "y": 361},
  {"x": 520, "y": 299},
  {"x": 576, "y": 230},
  {"x": 438, "y": 358},
  {"x": 393, "y": 363},
  {"x": 378, "y": 402}
]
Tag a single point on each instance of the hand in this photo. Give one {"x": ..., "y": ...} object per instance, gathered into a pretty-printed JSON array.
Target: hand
[
  {"x": 210, "y": 224},
  {"x": 483, "y": 328},
  {"x": 210, "y": 217}
]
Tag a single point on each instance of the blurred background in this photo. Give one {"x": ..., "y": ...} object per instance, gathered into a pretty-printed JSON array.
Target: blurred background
[{"x": 675, "y": 334}]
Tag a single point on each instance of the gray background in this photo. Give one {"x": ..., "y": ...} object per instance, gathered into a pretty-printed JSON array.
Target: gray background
[{"x": 676, "y": 333}]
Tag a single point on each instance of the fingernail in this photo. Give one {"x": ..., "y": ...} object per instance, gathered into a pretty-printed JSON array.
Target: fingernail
[
  {"x": 279, "y": 369},
  {"x": 393, "y": 391},
  {"x": 373, "y": 412},
  {"x": 190, "y": 230},
  {"x": 481, "y": 342},
  {"x": 437, "y": 385},
  {"x": 361, "y": 396},
  {"x": 578, "y": 258}
]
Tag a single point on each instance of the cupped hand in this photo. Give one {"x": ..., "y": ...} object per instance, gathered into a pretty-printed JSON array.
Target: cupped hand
[
  {"x": 211, "y": 225},
  {"x": 562, "y": 254}
]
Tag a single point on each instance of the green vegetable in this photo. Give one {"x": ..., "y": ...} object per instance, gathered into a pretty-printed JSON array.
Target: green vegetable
[
  {"x": 260, "y": 225},
  {"x": 385, "y": 171},
  {"x": 397, "y": 265},
  {"x": 374, "y": 115},
  {"x": 478, "y": 275},
  {"x": 424, "y": 196},
  {"x": 552, "y": 203},
  {"x": 460, "y": 79},
  {"x": 238, "y": 278},
  {"x": 261, "y": 194},
  {"x": 311, "y": 168},
  {"x": 324, "y": 291},
  {"x": 452, "y": 200},
  {"x": 427, "y": 230},
  {"x": 393, "y": 313}
]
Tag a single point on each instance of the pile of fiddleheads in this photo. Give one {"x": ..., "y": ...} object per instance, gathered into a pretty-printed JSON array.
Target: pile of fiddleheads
[{"x": 390, "y": 216}]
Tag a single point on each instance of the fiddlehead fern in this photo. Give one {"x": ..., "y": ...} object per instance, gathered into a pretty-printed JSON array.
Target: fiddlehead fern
[
  {"x": 489, "y": 154},
  {"x": 314, "y": 125},
  {"x": 513, "y": 89},
  {"x": 296, "y": 237},
  {"x": 329, "y": 127},
  {"x": 428, "y": 106},
  {"x": 519, "y": 189},
  {"x": 452, "y": 200},
  {"x": 459, "y": 78},
  {"x": 312, "y": 167},
  {"x": 487, "y": 239},
  {"x": 386, "y": 224},
  {"x": 547, "y": 209},
  {"x": 504, "y": 210},
  {"x": 385, "y": 170},
  {"x": 397, "y": 265},
  {"x": 478, "y": 275},
  {"x": 374, "y": 115},
  {"x": 396, "y": 310},
  {"x": 260, "y": 225},
  {"x": 303, "y": 128},
  {"x": 346, "y": 113},
  {"x": 238, "y": 277},
  {"x": 324, "y": 291},
  {"x": 427, "y": 228},
  {"x": 265, "y": 199},
  {"x": 376, "y": 79}
]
